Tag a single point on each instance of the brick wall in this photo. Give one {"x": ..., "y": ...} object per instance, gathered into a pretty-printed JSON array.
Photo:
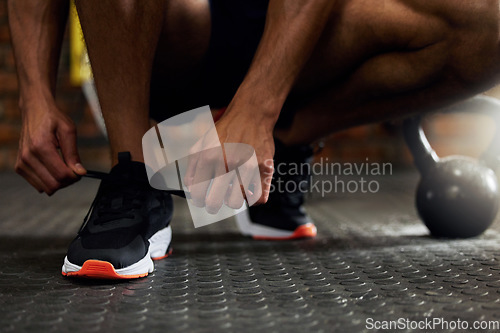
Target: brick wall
[{"x": 449, "y": 134}]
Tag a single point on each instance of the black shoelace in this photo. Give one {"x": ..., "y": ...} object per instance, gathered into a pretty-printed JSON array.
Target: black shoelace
[
  {"x": 108, "y": 177},
  {"x": 120, "y": 203}
]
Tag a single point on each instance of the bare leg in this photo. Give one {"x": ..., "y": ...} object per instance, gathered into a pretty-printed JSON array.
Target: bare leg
[
  {"x": 392, "y": 60},
  {"x": 122, "y": 39}
]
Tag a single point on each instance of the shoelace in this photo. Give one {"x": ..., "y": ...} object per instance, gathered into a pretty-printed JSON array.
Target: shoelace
[
  {"x": 108, "y": 177},
  {"x": 130, "y": 200},
  {"x": 108, "y": 211}
]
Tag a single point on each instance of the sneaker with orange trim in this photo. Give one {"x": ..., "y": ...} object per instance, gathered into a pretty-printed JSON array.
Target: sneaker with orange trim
[
  {"x": 126, "y": 227},
  {"x": 283, "y": 217}
]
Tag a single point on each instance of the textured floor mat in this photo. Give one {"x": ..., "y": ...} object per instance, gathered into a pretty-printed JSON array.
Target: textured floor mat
[{"x": 372, "y": 262}]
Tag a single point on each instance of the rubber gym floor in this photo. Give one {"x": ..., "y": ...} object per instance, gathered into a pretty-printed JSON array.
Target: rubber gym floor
[{"x": 372, "y": 263}]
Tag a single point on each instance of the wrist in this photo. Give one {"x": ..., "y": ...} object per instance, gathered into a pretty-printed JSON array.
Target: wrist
[
  {"x": 249, "y": 113},
  {"x": 256, "y": 107},
  {"x": 34, "y": 98}
]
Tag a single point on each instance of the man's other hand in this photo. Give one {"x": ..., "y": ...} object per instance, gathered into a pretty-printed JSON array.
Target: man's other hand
[{"x": 48, "y": 157}]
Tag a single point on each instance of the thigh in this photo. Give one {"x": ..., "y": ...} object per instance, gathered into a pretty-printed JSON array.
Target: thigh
[
  {"x": 411, "y": 60},
  {"x": 400, "y": 44}
]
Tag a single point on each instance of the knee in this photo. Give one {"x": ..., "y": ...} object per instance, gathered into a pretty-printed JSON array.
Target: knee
[{"x": 474, "y": 53}]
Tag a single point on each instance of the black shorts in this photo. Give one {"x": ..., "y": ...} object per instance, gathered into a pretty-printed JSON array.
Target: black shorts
[{"x": 237, "y": 28}]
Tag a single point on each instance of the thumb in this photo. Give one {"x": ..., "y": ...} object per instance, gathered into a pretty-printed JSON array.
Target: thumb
[{"x": 69, "y": 150}]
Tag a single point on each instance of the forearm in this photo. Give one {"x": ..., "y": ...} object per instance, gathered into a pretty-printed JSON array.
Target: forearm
[
  {"x": 37, "y": 29},
  {"x": 293, "y": 28}
]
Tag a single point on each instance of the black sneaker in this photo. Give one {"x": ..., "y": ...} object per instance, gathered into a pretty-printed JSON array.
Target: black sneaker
[
  {"x": 283, "y": 216},
  {"x": 126, "y": 227}
]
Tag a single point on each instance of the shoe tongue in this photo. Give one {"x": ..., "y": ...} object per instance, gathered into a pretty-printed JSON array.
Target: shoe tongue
[
  {"x": 126, "y": 168},
  {"x": 124, "y": 157}
]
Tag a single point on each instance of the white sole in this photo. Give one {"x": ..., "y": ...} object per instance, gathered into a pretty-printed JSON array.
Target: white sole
[
  {"x": 159, "y": 244},
  {"x": 248, "y": 228},
  {"x": 143, "y": 266}
]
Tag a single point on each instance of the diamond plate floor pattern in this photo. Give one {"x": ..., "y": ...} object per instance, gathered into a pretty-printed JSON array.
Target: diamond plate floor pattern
[{"x": 372, "y": 259}]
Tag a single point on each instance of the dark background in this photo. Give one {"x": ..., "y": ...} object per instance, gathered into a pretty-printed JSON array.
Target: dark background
[{"x": 379, "y": 143}]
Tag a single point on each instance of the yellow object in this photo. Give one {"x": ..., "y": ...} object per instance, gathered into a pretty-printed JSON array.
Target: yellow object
[{"x": 80, "y": 70}]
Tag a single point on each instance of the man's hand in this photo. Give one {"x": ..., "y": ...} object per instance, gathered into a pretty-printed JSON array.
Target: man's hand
[
  {"x": 48, "y": 157},
  {"x": 37, "y": 29},
  {"x": 240, "y": 136},
  {"x": 242, "y": 127}
]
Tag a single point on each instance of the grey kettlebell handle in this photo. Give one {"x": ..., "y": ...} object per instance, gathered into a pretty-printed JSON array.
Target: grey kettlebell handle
[
  {"x": 423, "y": 155},
  {"x": 422, "y": 151}
]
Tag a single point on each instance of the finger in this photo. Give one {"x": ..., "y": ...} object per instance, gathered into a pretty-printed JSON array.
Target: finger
[
  {"x": 47, "y": 155},
  {"x": 191, "y": 169},
  {"x": 49, "y": 183},
  {"x": 66, "y": 137},
  {"x": 52, "y": 184},
  {"x": 206, "y": 169},
  {"x": 193, "y": 157},
  {"x": 252, "y": 185},
  {"x": 266, "y": 185},
  {"x": 30, "y": 177},
  {"x": 237, "y": 195},
  {"x": 218, "y": 191},
  {"x": 235, "y": 198},
  {"x": 266, "y": 176}
]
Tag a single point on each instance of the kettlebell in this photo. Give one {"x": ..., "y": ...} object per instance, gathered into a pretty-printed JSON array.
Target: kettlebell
[{"x": 457, "y": 196}]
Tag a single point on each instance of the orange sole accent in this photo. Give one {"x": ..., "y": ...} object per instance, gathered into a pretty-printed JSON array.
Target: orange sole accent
[
  {"x": 307, "y": 230},
  {"x": 163, "y": 257},
  {"x": 96, "y": 269}
]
